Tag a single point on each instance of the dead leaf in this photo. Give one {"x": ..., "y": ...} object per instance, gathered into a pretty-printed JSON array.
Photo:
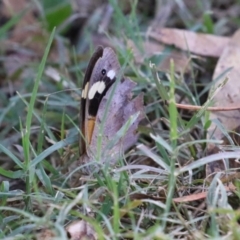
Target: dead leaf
[
  {"x": 151, "y": 48},
  {"x": 197, "y": 43},
  {"x": 81, "y": 230},
  {"x": 228, "y": 95}
]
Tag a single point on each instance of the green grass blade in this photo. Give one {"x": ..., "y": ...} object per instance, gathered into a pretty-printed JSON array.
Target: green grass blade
[
  {"x": 26, "y": 135},
  {"x": 12, "y": 156},
  {"x": 52, "y": 149}
]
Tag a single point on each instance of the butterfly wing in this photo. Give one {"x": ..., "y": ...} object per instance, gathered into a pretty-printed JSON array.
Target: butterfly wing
[
  {"x": 101, "y": 73},
  {"x": 97, "y": 54},
  {"x": 120, "y": 109}
]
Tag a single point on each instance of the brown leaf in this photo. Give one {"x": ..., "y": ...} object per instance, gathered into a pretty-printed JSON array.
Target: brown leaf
[
  {"x": 198, "y": 43},
  {"x": 81, "y": 230},
  {"x": 151, "y": 48},
  {"x": 228, "y": 95}
]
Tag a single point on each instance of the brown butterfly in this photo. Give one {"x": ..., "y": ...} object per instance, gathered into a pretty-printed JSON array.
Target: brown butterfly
[{"x": 102, "y": 72}]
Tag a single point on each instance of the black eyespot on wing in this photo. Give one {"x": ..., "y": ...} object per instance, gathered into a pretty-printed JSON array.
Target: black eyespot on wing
[{"x": 103, "y": 71}]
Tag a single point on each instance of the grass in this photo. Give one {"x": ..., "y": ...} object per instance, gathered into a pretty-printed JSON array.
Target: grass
[{"x": 39, "y": 141}]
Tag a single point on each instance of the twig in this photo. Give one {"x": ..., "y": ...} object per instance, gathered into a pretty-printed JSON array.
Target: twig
[{"x": 213, "y": 109}]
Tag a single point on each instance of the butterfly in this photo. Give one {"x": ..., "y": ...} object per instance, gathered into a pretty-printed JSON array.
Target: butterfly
[{"x": 102, "y": 73}]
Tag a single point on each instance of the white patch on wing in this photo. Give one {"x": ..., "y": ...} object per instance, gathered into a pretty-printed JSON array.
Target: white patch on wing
[
  {"x": 93, "y": 90},
  {"x": 111, "y": 74},
  {"x": 101, "y": 87},
  {"x": 85, "y": 90}
]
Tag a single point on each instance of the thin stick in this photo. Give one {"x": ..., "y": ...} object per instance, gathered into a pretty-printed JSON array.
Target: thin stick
[{"x": 212, "y": 109}]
